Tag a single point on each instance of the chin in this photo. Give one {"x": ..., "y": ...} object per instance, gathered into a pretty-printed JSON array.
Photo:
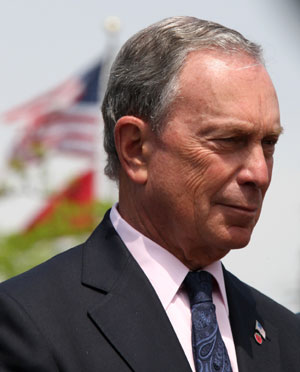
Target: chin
[
  {"x": 240, "y": 245},
  {"x": 240, "y": 241},
  {"x": 237, "y": 238}
]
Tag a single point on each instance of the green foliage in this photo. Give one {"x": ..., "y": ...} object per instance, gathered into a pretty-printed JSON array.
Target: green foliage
[{"x": 68, "y": 226}]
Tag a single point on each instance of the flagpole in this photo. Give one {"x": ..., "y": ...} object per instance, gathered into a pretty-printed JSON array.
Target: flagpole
[
  {"x": 112, "y": 26},
  {"x": 106, "y": 190}
]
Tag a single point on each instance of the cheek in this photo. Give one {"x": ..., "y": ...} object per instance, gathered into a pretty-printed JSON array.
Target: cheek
[
  {"x": 196, "y": 167},
  {"x": 206, "y": 174},
  {"x": 165, "y": 182}
]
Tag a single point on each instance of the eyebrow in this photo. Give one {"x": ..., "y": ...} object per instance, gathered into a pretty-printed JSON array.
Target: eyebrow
[{"x": 279, "y": 131}]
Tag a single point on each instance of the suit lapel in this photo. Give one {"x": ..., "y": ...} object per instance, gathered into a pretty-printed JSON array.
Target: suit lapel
[
  {"x": 251, "y": 356},
  {"x": 129, "y": 313}
]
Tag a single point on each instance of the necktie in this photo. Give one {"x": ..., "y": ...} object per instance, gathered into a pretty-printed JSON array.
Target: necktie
[{"x": 209, "y": 350}]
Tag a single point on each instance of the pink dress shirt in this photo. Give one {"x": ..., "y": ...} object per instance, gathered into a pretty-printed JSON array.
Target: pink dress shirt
[{"x": 166, "y": 274}]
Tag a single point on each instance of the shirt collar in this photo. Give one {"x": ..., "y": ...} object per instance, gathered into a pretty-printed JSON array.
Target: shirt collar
[
  {"x": 164, "y": 271},
  {"x": 215, "y": 269}
]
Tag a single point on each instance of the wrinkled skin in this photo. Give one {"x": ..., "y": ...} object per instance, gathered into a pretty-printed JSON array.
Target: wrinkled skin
[{"x": 208, "y": 172}]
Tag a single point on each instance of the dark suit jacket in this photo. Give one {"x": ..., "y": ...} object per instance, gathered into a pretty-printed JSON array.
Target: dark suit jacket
[{"x": 93, "y": 309}]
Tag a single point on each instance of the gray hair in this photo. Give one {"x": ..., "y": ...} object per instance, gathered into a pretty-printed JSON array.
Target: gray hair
[{"x": 143, "y": 78}]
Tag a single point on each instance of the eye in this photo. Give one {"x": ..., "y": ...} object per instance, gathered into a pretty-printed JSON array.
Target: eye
[
  {"x": 270, "y": 141},
  {"x": 232, "y": 140},
  {"x": 268, "y": 144}
]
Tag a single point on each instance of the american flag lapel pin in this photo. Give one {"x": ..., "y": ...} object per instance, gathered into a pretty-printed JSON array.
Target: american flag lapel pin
[{"x": 260, "y": 333}]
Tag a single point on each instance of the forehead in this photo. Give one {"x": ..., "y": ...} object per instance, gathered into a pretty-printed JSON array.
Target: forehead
[
  {"x": 211, "y": 71},
  {"x": 218, "y": 62},
  {"x": 222, "y": 86}
]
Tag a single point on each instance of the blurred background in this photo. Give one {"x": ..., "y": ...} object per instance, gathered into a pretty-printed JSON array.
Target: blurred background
[{"x": 54, "y": 61}]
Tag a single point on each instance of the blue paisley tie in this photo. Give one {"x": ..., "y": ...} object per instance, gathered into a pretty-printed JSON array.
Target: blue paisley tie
[{"x": 209, "y": 350}]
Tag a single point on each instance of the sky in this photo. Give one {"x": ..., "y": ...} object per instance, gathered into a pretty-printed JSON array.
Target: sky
[{"x": 43, "y": 42}]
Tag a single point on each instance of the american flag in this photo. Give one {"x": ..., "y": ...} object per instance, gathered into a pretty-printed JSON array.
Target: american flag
[{"x": 66, "y": 119}]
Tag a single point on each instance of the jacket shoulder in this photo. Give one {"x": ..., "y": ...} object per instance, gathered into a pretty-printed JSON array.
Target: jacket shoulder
[{"x": 61, "y": 268}]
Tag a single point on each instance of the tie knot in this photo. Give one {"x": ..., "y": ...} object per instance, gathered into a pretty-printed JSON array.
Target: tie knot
[{"x": 198, "y": 285}]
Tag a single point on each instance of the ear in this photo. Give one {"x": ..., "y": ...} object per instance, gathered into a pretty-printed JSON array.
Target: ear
[{"x": 133, "y": 145}]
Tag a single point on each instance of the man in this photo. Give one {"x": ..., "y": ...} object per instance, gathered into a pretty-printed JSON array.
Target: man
[{"x": 191, "y": 122}]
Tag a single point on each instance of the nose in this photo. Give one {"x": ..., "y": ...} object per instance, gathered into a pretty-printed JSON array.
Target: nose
[{"x": 256, "y": 169}]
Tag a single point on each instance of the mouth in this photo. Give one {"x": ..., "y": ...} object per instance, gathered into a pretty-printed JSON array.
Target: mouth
[{"x": 244, "y": 209}]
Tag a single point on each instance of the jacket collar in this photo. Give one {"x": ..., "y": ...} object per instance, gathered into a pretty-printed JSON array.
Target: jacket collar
[
  {"x": 243, "y": 311},
  {"x": 128, "y": 312}
]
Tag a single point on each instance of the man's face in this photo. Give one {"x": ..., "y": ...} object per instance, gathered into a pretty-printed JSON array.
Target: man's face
[{"x": 212, "y": 164}]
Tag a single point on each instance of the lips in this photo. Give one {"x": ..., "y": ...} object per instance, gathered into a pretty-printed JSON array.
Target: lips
[
  {"x": 239, "y": 214},
  {"x": 242, "y": 207}
]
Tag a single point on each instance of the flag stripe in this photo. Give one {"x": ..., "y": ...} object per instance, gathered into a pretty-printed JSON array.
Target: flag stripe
[{"x": 66, "y": 119}]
